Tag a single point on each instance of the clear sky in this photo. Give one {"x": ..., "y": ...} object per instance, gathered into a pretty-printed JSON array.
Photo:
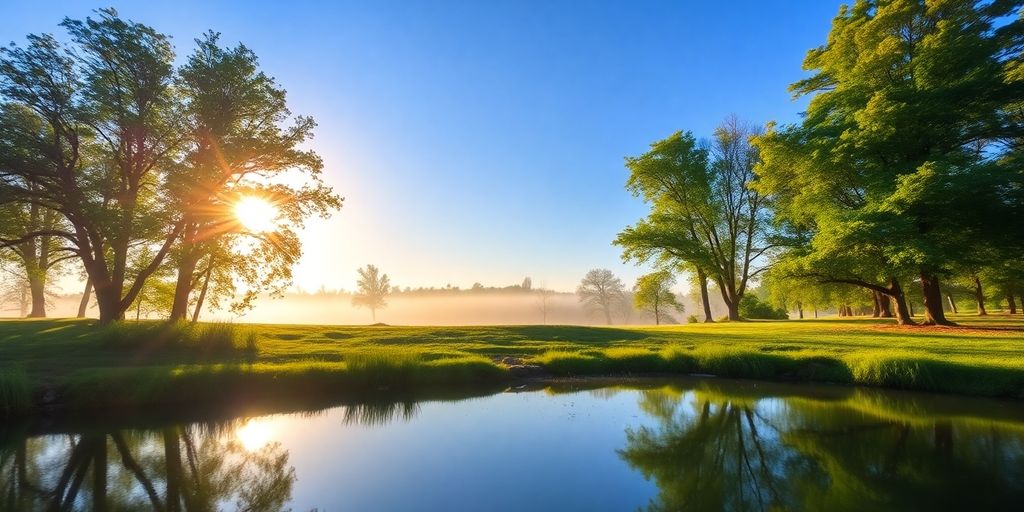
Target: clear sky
[{"x": 484, "y": 141}]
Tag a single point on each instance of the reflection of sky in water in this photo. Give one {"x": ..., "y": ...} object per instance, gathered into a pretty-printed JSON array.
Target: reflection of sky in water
[{"x": 510, "y": 451}]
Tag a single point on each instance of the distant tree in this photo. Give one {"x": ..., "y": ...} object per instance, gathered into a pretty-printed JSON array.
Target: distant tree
[
  {"x": 543, "y": 296},
  {"x": 14, "y": 288},
  {"x": 653, "y": 293},
  {"x": 601, "y": 291},
  {"x": 373, "y": 290},
  {"x": 527, "y": 283}
]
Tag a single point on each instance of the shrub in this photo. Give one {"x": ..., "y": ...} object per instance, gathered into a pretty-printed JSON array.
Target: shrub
[
  {"x": 753, "y": 308},
  {"x": 692, "y": 319}
]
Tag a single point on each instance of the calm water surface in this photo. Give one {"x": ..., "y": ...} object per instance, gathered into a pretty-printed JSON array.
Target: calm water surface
[{"x": 682, "y": 445}]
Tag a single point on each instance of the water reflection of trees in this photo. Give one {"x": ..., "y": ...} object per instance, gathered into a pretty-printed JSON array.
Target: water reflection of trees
[
  {"x": 380, "y": 413},
  {"x": 194, "y": 468},
  {"x": 710, "y": 451}
]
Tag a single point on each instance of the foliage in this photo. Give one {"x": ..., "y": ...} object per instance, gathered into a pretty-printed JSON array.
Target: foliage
[
  {"x": 905, "y": 160},
  {"x": 753, "y": 308},
  {"x": 703, "y": 211},
  {"x": 143, "y": 160}
]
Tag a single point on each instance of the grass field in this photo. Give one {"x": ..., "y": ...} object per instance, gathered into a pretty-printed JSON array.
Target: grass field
[{"x": 74, "y": 363}]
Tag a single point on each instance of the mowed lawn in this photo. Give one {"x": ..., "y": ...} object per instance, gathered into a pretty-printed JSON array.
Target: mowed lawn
[{"x": 983, "y": 356}]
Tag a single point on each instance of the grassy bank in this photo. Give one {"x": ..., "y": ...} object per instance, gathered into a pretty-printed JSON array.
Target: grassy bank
[{"x": 74, "y": 363}]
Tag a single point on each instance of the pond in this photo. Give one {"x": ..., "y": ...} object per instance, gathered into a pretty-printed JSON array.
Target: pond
[{"x": 695, "y": 444}]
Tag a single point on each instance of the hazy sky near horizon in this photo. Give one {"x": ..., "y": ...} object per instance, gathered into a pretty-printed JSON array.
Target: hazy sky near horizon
[{"x": 484, "y": 141}]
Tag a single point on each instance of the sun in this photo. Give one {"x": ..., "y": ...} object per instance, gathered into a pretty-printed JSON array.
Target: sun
[{"x": 256, "y": 214}]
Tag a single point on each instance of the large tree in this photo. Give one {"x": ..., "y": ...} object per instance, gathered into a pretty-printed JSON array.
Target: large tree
[
  {"x": 111, "y": 131},
  {"x": 239, "y": 149},
  {"x": 904, "y": 157},
  {"x": 704, "y": 213}
]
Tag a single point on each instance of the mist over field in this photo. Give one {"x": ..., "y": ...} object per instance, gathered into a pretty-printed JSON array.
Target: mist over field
[{"x": 441, "y": 307}]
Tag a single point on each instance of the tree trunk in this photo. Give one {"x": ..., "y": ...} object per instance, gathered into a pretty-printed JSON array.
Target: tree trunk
[
  {"x": 884, "y": 306},
  {"x": 910, "y": 307},
  {"x": 702, "y": 281},
  {"x": 184, "y": 284},
  {"x": 108, "y": 300},
  {"x": 876, "y": 304},
  {"x": 932, "y": 292},
  {"x": 86, "y": 295},
  {"x": 734, "y": 309},
  {"x": 138, "y": 306},
  {"x": 952, "y": 303},
  {"x": 979, "y": 296},
  {"x": 904, "y": 315},
  {"x": 608, "y": 315},
  {"x": 1012, "y": 303},
  {"x": 37, "y": 288},
  {"x": 202, "y": 293},
  {"x": 800, "y": 310}
]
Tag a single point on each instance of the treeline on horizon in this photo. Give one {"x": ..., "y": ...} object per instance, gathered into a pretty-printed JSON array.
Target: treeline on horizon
[{"x": 903, "y": 178}]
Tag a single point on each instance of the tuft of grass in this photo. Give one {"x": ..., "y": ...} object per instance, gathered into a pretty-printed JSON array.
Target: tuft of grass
[
  {"x": 634, "y": 360},
  {"x": 199, "y": 340},
  {"x": 15, "y": 393},
  {"x": 572, "y": 363},
  {"x": 731, "y": 361},
  {"x": 679, "y": 359}
]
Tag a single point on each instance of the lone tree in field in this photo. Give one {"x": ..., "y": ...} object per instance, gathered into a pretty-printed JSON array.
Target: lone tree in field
[
  {"x": 704, "y": 214},
  {"x": 653, "y": 293},
  {"x": 601, "y": 291},
  {"x": 374, "y": 288}
]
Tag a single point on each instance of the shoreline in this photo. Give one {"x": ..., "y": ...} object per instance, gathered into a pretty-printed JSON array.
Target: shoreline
[{"x": 921, "y": 404}]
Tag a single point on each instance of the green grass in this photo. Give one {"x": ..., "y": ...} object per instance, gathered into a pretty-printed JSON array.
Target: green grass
[{"x": 151, "y": 362}]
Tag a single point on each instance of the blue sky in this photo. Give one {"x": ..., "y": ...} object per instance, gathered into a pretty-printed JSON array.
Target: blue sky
[{"x": 484, "y": 141}]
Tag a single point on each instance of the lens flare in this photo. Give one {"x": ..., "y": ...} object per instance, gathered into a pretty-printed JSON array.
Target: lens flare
[{"x": 256, "y": 214}]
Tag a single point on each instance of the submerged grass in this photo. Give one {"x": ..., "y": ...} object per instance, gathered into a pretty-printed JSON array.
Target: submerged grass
[{"x": 147, "y": 362}]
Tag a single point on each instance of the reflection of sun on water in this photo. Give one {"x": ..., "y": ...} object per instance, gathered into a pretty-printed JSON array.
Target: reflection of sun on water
[
  {"x": 256, "y": 214},
  {"x": 255, "y": 434}
]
